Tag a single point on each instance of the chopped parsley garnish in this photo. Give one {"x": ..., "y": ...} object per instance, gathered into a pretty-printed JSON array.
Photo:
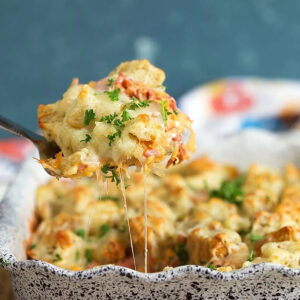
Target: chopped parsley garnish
[
  {"x": 126, "y": 116},
  {"x": 105, "y": 168},
  {"x": 88, "y": 255},
  {"x": 114, "y": 176},
  {"x": 254, "y": 237},
  {"x": 110, "y": 81},
  {"x": 176, "y": 112},
  {"x": 163, "y": 110},
  {"x": 230, "y": 191},
  {"x": 117, "y": 123},
  {"x": 136, "y": 103},
  {"x": 4, "y": 262},
  {"x": 33, "y": 246},
  {"x": 113, "y": 95},
  {"x": 112, "y": 137},
  {"x": 87, "y": 138},
  {"x": 108, "y": 197},
  {"x": 57, "y": 258},
  {"x": 109, "y": 118},
  {"x": 103, "y": 230},
  {"x": 80, "y": 232},
  {"x": 89, "y": 116},
  {"x": 182, "y": 254},
  {"x": 251, "y": 256},
  {"x": 212, "y": 267}
]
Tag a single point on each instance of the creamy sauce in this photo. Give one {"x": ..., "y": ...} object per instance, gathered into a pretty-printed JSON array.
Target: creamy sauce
[
  {"x": 126, "y": 213},
  {"x": 145, "y": 220}
]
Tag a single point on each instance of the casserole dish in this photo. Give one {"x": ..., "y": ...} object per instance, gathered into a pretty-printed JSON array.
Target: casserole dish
[{"x": 40, "y": 280}]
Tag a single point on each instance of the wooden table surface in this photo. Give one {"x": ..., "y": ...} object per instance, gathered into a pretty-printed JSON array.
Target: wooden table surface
[{"x": 5, "y": 286}]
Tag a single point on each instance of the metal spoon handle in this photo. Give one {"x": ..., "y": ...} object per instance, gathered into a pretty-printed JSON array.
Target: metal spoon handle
[{"x": 19, "y": 130}]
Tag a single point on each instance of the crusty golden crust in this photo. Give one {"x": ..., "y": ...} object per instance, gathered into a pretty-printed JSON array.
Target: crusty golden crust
[
  {"x": 141, "y": 71},
  {"x": 186, "y": 225},
  {"x": 217, "y": 247}
]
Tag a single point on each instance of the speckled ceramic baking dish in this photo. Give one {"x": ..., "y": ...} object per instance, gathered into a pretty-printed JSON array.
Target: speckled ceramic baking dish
[{"x": 40, "y": 280}]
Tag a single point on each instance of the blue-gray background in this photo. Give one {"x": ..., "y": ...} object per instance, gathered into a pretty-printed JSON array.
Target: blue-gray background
[{"x": 44, "y": 44}]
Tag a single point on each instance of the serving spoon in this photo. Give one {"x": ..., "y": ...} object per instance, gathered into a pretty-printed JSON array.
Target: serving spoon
[{"x": 46, "y": 149}]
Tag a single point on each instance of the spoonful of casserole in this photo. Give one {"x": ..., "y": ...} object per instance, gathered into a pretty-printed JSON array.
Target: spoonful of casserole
[{"x": 124, "y": 119}]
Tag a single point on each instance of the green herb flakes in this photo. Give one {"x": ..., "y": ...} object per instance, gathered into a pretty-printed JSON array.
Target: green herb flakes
[
  {"x": 103, "y": 230},
  {"x": 80, "y": 232},
  {"x": 230, "y": 191},
  {"x": 113, "y": 95},
  {"x": 254, "y": 237},
  {"x": 110, "y": 81},
  {"x": 87, "y": 138},
  {"x": 112, "y": 137},
  {"x": 33, "y": 246},
  {"x": 212, "y": 267},
  {"x": 182, "y": 254},
  {"x": 136, "y": 103},
  {"x": 105, "y": 168},
  {"x": 117, "y": 123},
  {"x": 89, "y": 116},
  {"x": 126, "y": 116},
  {"x": 251, "y": 256},
  {"x": 110, "y": 198},
  {"x": 109, "y": 118},
  {"x": 57, "y": 258},
  {"x": 4, "y": 261},
  {"x": 114, "y": 176},
  {"x": 163, "y": 110},
  {"x": 88, "y": 255}
]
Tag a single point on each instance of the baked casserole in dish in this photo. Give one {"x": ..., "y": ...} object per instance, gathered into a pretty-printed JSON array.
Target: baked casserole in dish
[{"x": 261, "y": 219}]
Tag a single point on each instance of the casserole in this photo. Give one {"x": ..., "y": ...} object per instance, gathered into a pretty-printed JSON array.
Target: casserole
[{"x": 41, "y": 280}]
